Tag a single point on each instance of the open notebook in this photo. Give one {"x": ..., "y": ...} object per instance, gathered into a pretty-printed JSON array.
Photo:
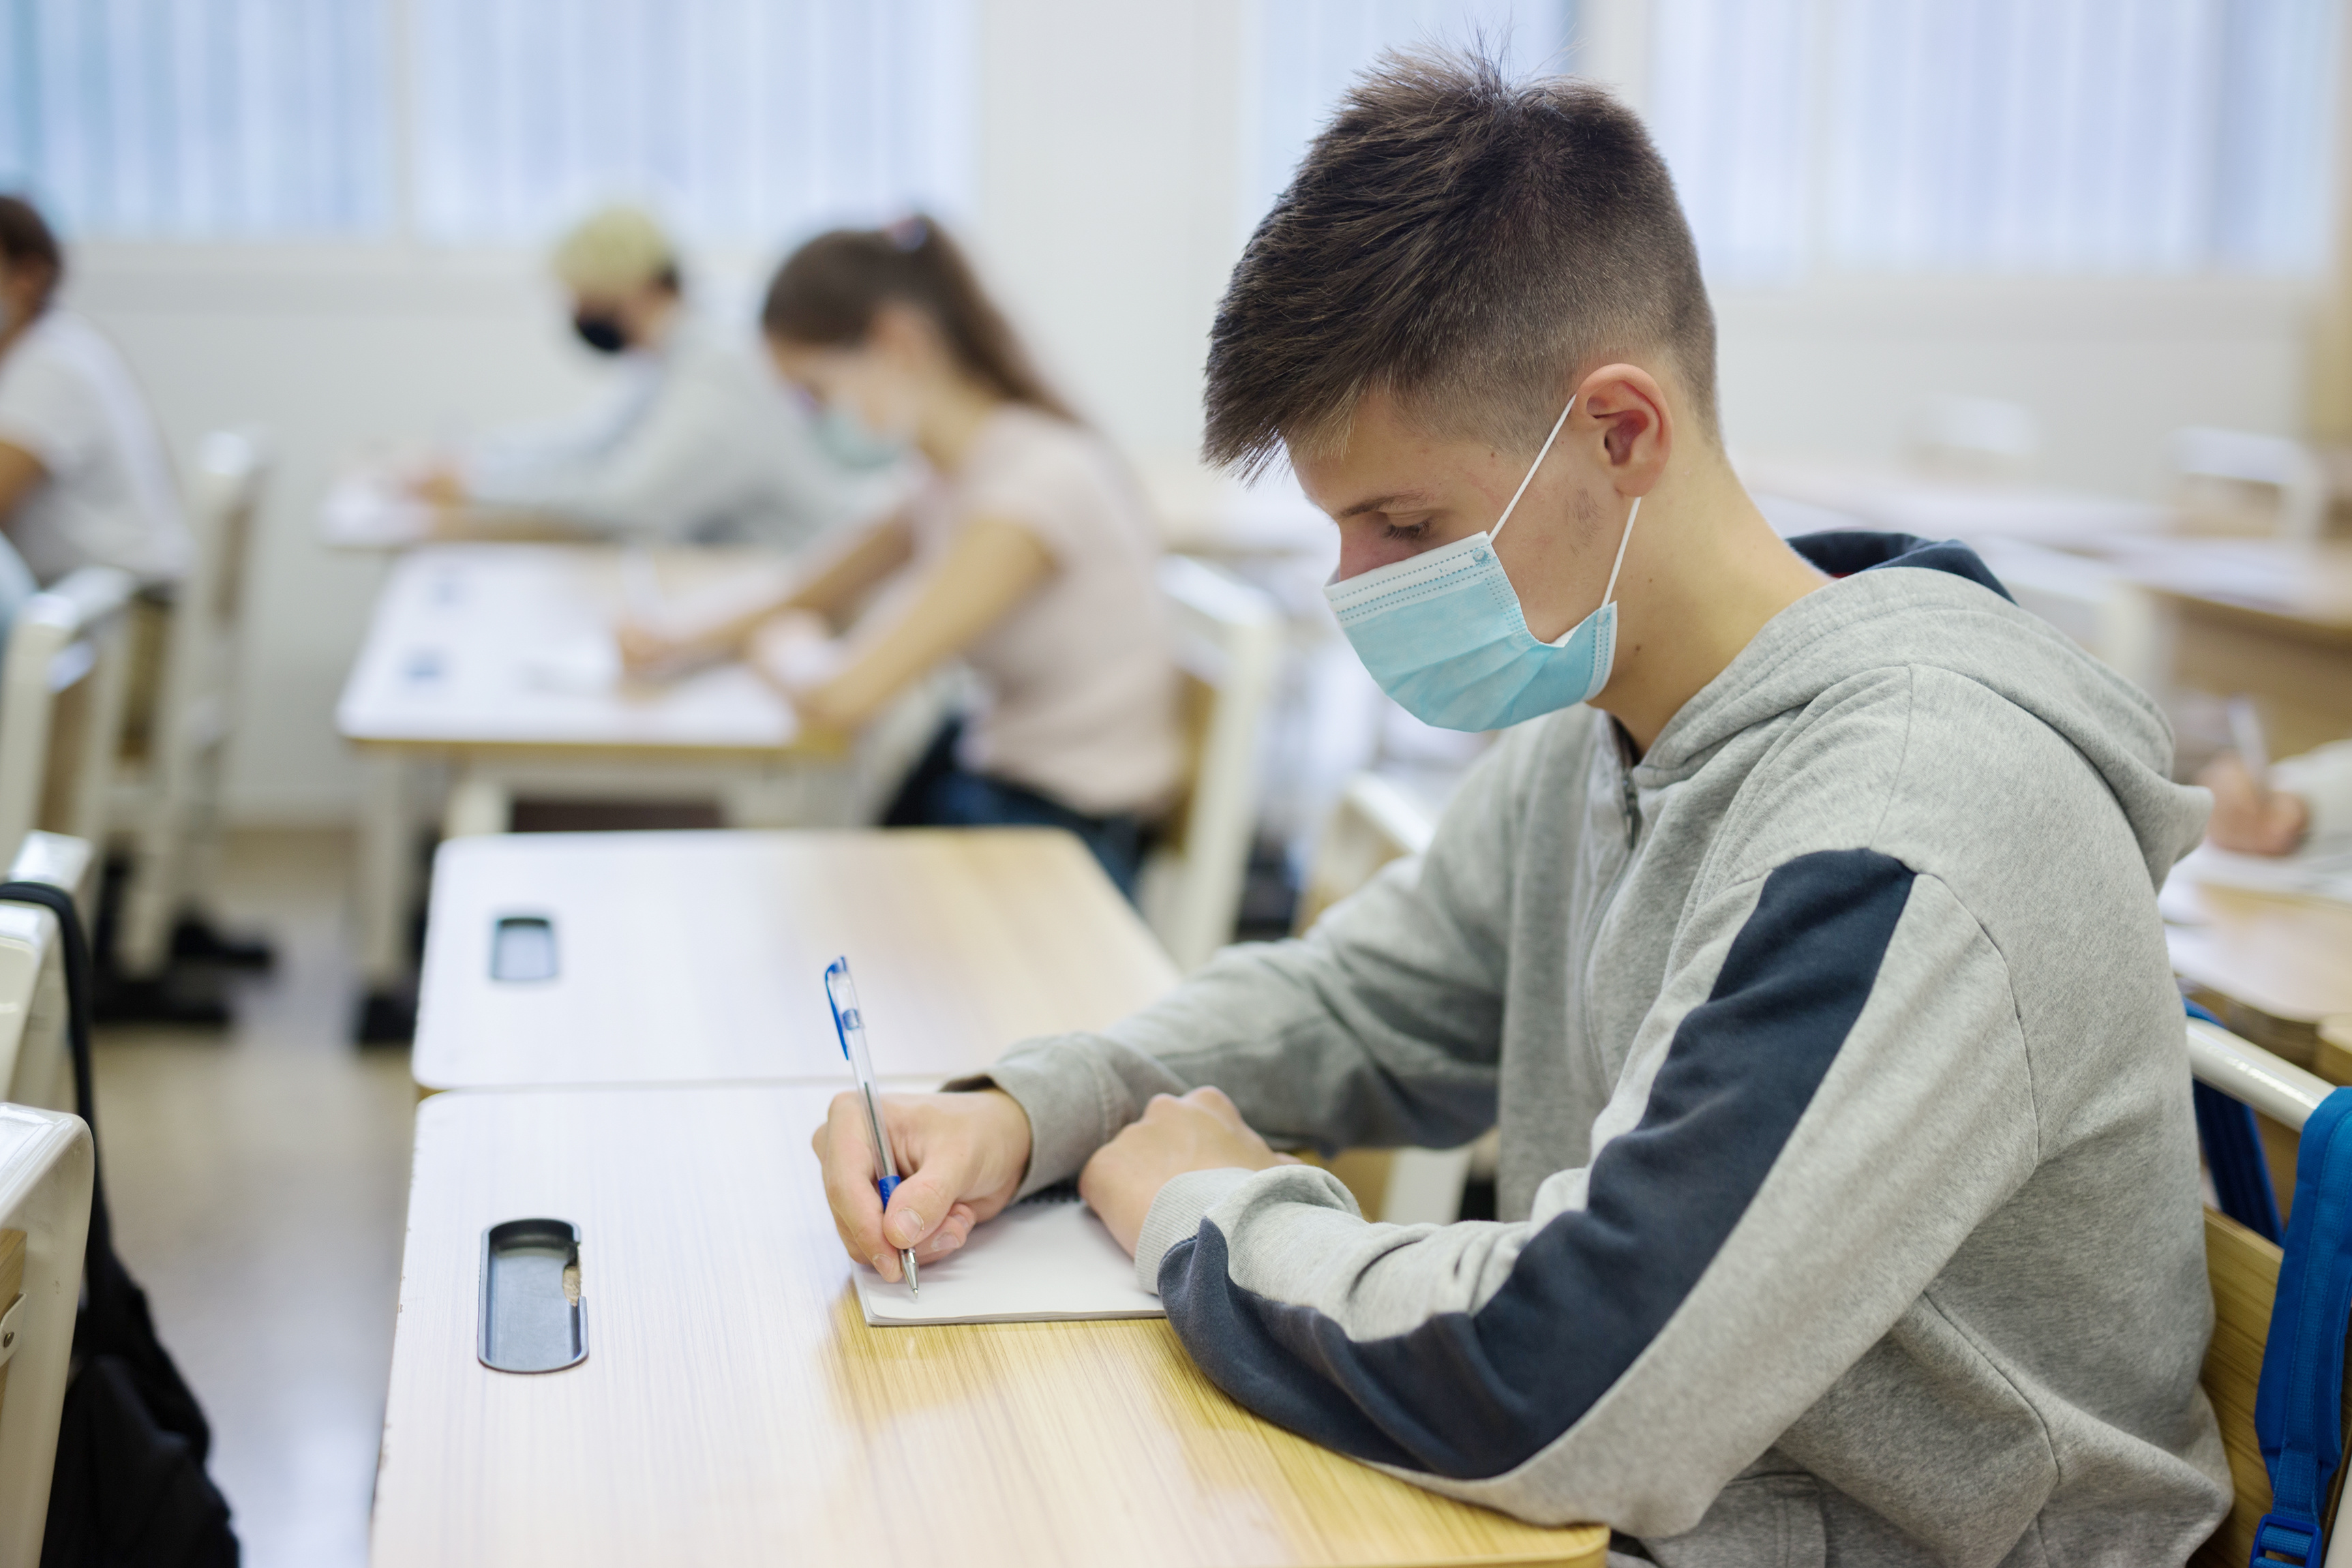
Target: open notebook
[{"x": 1042, "y": 1260}]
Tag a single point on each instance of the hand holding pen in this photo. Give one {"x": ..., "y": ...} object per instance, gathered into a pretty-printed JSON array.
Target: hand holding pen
[{"x": 849, "y": 1023}]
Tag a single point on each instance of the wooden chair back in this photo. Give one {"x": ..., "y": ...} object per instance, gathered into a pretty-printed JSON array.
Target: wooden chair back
[
  {"x": 1228, "y": 647},
  {"x": 45, "y": 1168},
  {"x": 61, "y": 692},
  {"x": 2243, "y": 1269}
]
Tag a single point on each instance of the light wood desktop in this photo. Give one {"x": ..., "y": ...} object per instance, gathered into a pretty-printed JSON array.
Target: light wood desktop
[
  {"x": 734, "y": 1407},
  {"x": 500, "y": 656},
  {"x": 700, "y": 956},
  {"x": 2260, "y": 616},
  {"x": 2274, "y": 968},
  {"x": 1829, "y": 494}
]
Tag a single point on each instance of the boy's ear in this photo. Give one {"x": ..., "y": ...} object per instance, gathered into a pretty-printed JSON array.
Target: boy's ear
[{"x": 1631, "y": 421}]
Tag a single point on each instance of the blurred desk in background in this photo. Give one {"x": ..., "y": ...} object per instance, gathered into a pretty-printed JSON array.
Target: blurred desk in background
[
  {"x": 1830, "y": 494},
  {"x": 373, "y": 508},
  {"x": 687, "y": 957},
  {"x": 499, "y": 660},
  {"x": 2264, "y": 617},
  {"x": 2276, "y": 969}
]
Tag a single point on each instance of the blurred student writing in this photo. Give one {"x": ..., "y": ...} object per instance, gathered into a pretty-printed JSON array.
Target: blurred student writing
[
  {"x": 2302, "y": 798},
  {"x": 84, "y": 476},
  {"x": 697, "y": 444},
  {"x": 1028, "y": 555}
]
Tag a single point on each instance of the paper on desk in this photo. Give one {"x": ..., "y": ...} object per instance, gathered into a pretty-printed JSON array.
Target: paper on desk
[
  {"x": 1040, "y": 1261},
  {"x": 2320, "y": 870}
]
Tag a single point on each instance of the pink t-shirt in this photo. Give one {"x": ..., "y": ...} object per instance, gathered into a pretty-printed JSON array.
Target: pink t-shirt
[{"x": 1077, "y": 687}]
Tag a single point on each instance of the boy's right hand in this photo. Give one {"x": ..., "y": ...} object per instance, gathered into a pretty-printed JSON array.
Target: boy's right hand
[
  {"x": 960, "y": 1159},
  {"x": 2248, "y": 818}
]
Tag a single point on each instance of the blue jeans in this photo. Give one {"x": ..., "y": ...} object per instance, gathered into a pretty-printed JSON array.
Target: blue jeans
[{"x": 940, "y": 792}]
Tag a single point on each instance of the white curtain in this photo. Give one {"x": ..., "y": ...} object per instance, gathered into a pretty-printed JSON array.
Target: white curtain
[
  {"x": 736, "y": 119},
  {"x": 198, "y": 118},
  {"x": 1306, "y": 53},
  {"x": 1998, "y": 136}
]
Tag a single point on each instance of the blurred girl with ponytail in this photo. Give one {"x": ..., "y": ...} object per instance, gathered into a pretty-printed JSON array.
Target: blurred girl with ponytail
[{"x": 1027, "y": 554}]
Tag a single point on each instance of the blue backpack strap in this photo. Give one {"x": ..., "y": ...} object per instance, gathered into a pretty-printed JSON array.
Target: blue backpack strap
[
  {"x": 2299, "y": 1405},
  {"x": 2233, "y": 1153}
]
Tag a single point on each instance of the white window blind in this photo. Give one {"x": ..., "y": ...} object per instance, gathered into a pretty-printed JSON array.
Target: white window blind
[
  {"x": 483, "y": 121},
  {"x": 1998, "y": 136},
  {"x": 197, "y": 118},
  {"x": 1308, "y": 52},
  {"x": 737, "y": 119}
]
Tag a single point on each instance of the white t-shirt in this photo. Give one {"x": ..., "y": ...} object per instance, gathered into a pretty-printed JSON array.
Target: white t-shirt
[
  {"x": 697, "y": 444},
  {"x": 67, "y": 397},
  {"x": 1077, "y": 686}
]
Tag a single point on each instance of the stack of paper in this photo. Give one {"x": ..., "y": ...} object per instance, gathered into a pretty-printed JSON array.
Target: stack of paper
[
  {"x": 2321, "y": 870},
  {"x": 1039, "y": 1261}
]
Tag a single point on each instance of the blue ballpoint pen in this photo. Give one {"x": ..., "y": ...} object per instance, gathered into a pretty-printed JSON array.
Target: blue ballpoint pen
[{"x": 850, "y": 1025}]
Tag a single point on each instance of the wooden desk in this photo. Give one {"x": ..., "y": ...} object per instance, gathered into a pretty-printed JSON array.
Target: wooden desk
[
  {"x": 2273, "y": 968},
  {"x": 498, "y": 657},
  {"x": 700, "y": 956},
  {"x": 734, "y": 1408},
  {"x": 2260, "y": 616},
  {"x": 1936, "y": 508}
]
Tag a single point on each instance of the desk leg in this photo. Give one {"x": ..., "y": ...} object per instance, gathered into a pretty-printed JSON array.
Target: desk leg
[
  {"x": 384, "y": 885},
  {"x": 479, "y": 804}
]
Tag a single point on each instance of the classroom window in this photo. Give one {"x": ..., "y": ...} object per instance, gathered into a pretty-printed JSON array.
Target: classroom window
[
  {"x": 469, "y": 121},
  {"x": 1998, "y": 136},
  {"x": 1306, "y": 52},
  {"x": 199, "y": 119}
]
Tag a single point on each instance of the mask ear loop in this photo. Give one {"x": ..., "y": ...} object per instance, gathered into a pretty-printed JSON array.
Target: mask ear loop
[
  {"x": 1558, "y": 425},
  {"x": 1611, "y": 592}
]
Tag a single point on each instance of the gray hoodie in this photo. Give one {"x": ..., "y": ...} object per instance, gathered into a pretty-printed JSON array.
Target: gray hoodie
[{"x": 1850, "y": 1194}]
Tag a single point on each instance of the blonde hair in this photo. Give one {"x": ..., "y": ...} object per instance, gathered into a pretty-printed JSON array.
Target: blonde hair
[{"x": 612, "y": 250}]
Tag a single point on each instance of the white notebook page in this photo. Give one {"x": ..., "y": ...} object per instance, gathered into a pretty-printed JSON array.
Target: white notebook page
[{"x": 1037, "y": 1262}]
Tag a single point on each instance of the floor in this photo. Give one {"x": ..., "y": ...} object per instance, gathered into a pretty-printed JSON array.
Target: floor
[{"x": 258, "y": 1180}]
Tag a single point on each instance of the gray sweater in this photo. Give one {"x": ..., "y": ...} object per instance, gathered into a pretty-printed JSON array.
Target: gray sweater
[{"x": 1849, "y": 1179}]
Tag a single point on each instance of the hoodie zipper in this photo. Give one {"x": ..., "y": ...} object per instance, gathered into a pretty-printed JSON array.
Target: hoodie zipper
[{"x": 1629, "y": 800}]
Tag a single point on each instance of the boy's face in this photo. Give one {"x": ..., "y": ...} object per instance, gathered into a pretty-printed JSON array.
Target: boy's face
[{"x": 1396, "y": 491}]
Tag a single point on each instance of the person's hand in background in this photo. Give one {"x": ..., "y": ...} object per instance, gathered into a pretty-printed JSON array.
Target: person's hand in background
[
  {"x": 960, "y": 1156},
  {"x": 1202, "y": 1131},
  {"x": 2247, "y": 817}
]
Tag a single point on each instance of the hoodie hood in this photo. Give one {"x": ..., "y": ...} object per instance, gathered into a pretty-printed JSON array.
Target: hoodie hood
[{"x": 1903, "y": 601}]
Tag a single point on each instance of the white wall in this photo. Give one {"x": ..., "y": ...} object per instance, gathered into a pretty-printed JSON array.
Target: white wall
[{"x": 1108, "y": 160}]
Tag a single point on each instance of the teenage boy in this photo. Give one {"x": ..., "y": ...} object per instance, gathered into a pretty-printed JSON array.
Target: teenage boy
[{"x": 1849, "y": 1180}]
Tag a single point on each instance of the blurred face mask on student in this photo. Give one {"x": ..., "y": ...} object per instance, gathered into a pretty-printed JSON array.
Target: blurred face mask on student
[
  {"x": 1444, "y": 632},
  {"x": 600, "y": 330}
]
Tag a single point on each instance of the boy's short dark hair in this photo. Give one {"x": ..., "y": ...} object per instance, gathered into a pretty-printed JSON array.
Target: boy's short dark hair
[
  {"x": 1466, "y": 243},
  {"x": 26, "y": 237}
]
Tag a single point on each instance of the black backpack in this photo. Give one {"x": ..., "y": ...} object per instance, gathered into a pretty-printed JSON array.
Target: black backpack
[{"x": 129, "y": 1489}]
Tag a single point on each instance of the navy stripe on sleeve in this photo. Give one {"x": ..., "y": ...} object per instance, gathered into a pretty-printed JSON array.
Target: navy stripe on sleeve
[{"x": 1472, "y": 1394}]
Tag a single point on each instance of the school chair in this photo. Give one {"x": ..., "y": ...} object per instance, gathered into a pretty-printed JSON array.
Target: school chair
[
  {"x": 1374, "y": 824},
  {"x": 1981, "y": 438},
  {"x": 62, "y": 683},
  {"x": 169, "y": 796},
  {"x": 36, "y": 1057},
  {"x": 2220, "y": 478},
  {"x": 2242, "y": 1268},
  {"x": 1228, "y": 646},
  {"x": 46, "y": 1170}
]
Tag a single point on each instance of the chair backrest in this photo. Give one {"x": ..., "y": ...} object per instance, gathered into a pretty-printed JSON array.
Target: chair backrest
[
  {"x": 61, "y": 690},
  {"x": 2214, "y": 471},
  {"x": 1978, "y": 439},
  {"x": 45, "y": 1168},
  {"x": 1228, "y": 644},
  {"x": 2244, "y": 1270},
  {"x": 36, "y": 1057},
  {"x": 1374, "y": 824}
]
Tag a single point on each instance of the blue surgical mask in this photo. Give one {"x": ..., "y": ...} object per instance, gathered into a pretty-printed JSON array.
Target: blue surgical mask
[
  {"x": 1443, "y": 634},
  {"x": 853, "y": 443}
]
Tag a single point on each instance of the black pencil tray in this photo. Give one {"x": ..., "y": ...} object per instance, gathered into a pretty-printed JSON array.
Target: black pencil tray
[{"x": 532, "y": 1315}]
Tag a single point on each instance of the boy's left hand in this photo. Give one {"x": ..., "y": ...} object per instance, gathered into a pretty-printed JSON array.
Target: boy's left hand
[{"x": 1199, "y": 1131}]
